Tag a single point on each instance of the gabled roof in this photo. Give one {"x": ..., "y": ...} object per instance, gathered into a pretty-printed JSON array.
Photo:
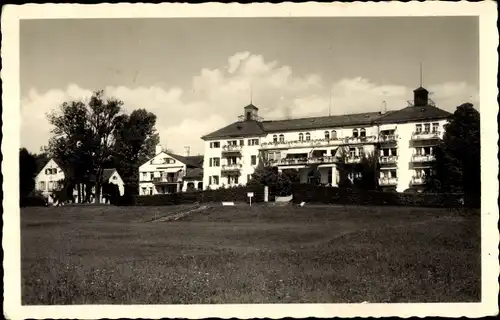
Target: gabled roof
[
  {"x": 57, "y": 164},
  {"x": 355, "y": 119},
  {"x": 237, "y": 129},
  {"x": 194, "y": 174},
  {"x": 107, "y": 173},
  {"x": 190, "y": 161},
  {"x": 414, "y": 113}
]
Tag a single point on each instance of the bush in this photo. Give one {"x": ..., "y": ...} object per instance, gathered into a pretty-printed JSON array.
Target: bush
[
  {"x": 333, "y": 195},
  {"x": 234, "y": 194},
  {"x": 34, "y": 199}
]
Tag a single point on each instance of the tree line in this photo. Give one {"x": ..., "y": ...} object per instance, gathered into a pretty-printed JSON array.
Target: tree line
[{"x": 88, "y": 137}]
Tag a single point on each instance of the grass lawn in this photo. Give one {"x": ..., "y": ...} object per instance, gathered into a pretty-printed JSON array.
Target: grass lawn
[{"x": 258, "y": 254}]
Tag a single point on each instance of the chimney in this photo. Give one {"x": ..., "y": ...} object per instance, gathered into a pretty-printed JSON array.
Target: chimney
[
  {"x": 420, "y": 97},
  {"x": 159, "y": 149}
]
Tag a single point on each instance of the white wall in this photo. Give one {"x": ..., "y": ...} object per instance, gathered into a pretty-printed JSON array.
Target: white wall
[
  {"x": 49, "y": 180},
  {"x": 154, "y": 168},
  {"x": 116, "y": 179}
]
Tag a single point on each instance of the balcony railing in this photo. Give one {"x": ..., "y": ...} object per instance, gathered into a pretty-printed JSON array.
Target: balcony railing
[
  {"x": 302, "y": 161},
  {"x": 426, "y": 135},
  {"x": 388, "y": 181},
  {"x": 388, "y": 159},
  {"x": 387, "y": 138},
  {"x": 166, "y": 179},
  {"x": 353, "y": 159},
  {"x": 231, "y": 148},
  {"x": 417, "y": 180},
  {"x": 318, "y": 142},
  {"x": 419, "y": 158},
  {"x": 231, "y": 167}
]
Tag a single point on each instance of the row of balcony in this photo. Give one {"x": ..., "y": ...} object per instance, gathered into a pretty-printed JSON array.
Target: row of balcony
[
  {"x": 166, "y": 179},
  {"x": 416, "y": 136}
]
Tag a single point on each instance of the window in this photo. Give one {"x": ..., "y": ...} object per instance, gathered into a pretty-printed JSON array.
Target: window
[
  {"x": 275, "y": 138},
  {"x": 352, "y": 152},
  {"x": 200, "y": 185},
  {"x": 114, "y": 178},
  {"x": 232, "y": 143},
  {"x": 144, "y": 190},
  {"x": 282, "y": 138},
  {"x": 214, "y": 162},
  {"x": 355, "y": 133},
  {"x": 253, "y": 142},
  {"x": 215, "y": 144},
  {"x": 334, "y": 134},
  {"x": 233, "y": 180},
  {"x": 232, "y": 160},
  {"x": 418, "y": 128},
  {"x": 427, "y": 127},
  {"x": 393, "y": 174},
  {"x": 308, "y": 136},
  {"x": 242, "y": 143},
  {"x": 42, "y": 185},
  {"x": 215, "y": 180},
  {"x": 435, "y": 127},
  {"x": 144, "y": 176},
  {"x": 361, "y": 151},
  {"x": 363, "y": 132},
  {"x": 301, "y": 137},
  {"x": 150, "y": 191},
  {"x": 253, "y": 160},
  {"x": 327, "y": 135},
  {"x": 394, "y": 152},
  {"x": 385, "y": 152},
  {"x": 151, "y": 175}
]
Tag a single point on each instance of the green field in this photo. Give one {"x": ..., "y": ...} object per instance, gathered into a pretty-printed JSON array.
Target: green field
[{"x": 258, "y": 254}]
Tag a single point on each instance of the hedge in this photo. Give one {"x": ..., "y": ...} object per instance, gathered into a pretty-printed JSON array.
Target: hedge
[
  {"x": 33, "y": 201},
  {"x": 333, "y": 195},
  {"x": 236, "y": 194}
]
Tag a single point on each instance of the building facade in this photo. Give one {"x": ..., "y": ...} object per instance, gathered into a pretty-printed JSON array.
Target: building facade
[
  {"x": 51, "y": 177},
  {"x": 170, "y": 173},
  {"x": 402, "y": 140}
]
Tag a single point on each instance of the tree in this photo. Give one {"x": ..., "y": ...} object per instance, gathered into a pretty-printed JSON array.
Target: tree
[
  {"x": 135, "y": 142},
  {"x": 458, "y": 160},
  {"x": 361, "y": 175},
  {"x": 27, "y": 172},
  {"x": 84, "y": 135}
]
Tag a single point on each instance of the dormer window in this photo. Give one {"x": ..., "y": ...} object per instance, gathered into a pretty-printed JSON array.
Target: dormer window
[
  {"x": 327, "y": 135},
  {"x": 301, "y": 137},
  {"x": 308, "y": 136},
  {"x": 363, "y": 132},
  {"x": 427, "y": 127},
  {"x": 282, "y": 138},
  {"x": 355, "y": 133},
  {"x": 334, "y": 134},
  {"x": 275, "y": 138}
]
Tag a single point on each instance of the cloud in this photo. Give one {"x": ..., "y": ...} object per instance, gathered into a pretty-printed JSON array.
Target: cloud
[{"x": 216, "y": 97}]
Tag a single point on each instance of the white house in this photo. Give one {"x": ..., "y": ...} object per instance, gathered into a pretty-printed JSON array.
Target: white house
[
  {"x": 50, "y": 177},
  {"x": 170, "y": 173},
  {"x": 404, "y": 141}
]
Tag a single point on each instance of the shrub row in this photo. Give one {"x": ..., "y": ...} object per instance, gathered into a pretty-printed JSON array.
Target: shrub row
[
  {"x": 332, "y": 195},
  {"x": 33, "y": 201},
  {"x": 237, "y": 194}
]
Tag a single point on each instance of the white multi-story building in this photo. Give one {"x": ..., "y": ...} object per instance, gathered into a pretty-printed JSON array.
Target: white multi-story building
[
  {"x": 170, "y": 173},
  {"x": 49, "y": 180},
  {"x": 403, "y": 140}
]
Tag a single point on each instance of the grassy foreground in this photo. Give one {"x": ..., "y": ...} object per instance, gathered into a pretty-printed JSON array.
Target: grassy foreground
[{"x": 115, "y": 255}]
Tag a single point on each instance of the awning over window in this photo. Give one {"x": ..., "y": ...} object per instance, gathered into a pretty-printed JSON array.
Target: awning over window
[
  {"x": 169, "y": 170},
  {"x": 305, "y": 151}
]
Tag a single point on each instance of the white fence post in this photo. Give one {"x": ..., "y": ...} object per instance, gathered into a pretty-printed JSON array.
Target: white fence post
[{"x": 266, "y": 194}]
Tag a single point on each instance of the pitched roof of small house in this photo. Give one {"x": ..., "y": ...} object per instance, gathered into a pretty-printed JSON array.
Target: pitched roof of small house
[
  {"x": 190, "y": 161},
  {"x": 194, "y": 174}
]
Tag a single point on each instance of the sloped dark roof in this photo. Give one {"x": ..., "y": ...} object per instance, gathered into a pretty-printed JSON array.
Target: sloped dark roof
[
  {"x": 190, "y": 161},
  {"x": 414, "y": 113},
  {"x": 193, "y": 174},
  {"x": 237, "y": 129},
  {"x": 322, "y": 122},
  {"x": 106, "y": 174}
]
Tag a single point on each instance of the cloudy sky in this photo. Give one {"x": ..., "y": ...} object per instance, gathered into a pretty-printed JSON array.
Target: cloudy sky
[{"x": 196, "y": 74}]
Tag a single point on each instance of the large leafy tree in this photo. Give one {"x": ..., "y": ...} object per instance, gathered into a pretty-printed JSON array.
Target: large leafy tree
[
  {"x": 27, "y": 172},
  {"x": 458, "y": 161},
  {"x": 135, "y": 142},
  {"x": 361, "y": 175},
  {"x": 84, "y": 135}
]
